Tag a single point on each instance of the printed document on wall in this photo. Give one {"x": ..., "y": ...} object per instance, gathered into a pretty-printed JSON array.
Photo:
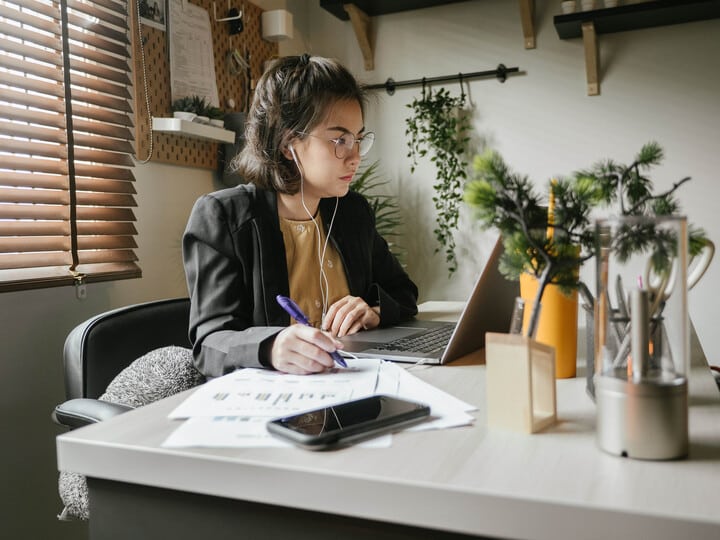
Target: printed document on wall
[{"x": 192, "y": 63}]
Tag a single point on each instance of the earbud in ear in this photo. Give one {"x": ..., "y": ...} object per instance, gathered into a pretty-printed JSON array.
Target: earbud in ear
[{"x": 292, "y": 152}]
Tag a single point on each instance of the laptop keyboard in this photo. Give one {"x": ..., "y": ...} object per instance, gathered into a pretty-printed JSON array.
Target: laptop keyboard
[{"x": 433, "y": 339}]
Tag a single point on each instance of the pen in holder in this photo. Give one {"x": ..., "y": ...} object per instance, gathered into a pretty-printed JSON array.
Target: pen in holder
[
  {"x": 518, "y": 314},
  {"x": 642, "y": 337}
]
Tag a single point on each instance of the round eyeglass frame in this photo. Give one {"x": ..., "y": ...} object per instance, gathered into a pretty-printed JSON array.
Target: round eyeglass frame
[{"x": 342, "y": 148}]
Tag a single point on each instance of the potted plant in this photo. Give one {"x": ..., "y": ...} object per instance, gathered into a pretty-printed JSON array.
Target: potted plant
[
  {"x": 548, "y": 248},
  {"x": 184, "y": 108},
  {"x": 552, "y": 246},
  {"x": 553, "y": 249},
  {"x": 216, "y": 115},
  {"x": 439, "y": 126},
  {"x": 200, "y": 107},
  {"x": 385, "y": 207},
  {"x": 541, "y": 250},
  {"x": 193, "y": 108}
]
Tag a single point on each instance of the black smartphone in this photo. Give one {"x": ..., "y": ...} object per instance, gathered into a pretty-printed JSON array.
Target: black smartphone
[{"x": 348, "y": 422}]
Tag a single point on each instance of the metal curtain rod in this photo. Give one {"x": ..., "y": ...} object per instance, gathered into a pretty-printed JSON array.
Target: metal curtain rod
[{"x": 500, "y": 72}]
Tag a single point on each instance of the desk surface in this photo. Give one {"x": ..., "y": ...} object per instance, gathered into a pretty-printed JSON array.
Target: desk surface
[{"x": 555, "y": 484}]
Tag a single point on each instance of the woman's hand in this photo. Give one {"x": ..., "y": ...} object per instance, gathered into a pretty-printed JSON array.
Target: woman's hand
[
  {"x": 350, "y": 315},
  {"x": 302, "y": 350}
]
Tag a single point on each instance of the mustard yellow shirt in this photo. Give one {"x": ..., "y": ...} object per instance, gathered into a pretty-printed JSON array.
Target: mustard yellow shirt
[{"x": 302, "y": 255}]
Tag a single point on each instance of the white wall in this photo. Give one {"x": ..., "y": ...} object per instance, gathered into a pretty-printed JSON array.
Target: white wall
[{"x": 659, "y": 84}]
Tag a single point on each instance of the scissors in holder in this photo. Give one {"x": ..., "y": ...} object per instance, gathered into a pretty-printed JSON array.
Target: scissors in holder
[{"x": 660, "y": 286}]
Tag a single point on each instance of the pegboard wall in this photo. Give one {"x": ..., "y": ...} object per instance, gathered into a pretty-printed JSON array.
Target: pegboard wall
[{"x": 177, "y": 149}]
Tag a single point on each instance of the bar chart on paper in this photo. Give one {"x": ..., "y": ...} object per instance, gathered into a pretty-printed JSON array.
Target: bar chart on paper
[
  {"x": 276, "y": 401},
  {"x": 261, "y": 393}
]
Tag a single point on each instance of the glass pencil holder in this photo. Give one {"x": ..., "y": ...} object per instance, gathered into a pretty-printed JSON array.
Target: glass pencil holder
[{"x": 641, "y": 336}]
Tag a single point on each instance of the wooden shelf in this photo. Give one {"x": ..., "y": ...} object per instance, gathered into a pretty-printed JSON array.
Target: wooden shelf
[
  {"x": 195, "y": 130},
  {"x": 637, "y": 16},
  {"x": 588, "y": 24},
  {"x": 359, "y": 12},
  {"x": 379, "y": 7}
]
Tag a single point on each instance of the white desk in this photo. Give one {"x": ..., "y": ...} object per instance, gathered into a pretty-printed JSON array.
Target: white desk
[{"x": 463, "y": 481}]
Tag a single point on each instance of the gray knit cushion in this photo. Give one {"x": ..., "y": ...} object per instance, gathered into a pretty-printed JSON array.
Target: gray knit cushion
[
  {"x": 155, "y": 375},
  {"x": 74, "y": 495}
]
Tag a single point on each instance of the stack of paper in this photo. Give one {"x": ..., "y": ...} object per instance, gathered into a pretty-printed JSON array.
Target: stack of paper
[{"x": 232, "y": 411}]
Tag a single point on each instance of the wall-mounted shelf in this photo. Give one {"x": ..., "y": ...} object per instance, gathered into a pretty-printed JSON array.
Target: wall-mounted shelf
[
  {"x": 359, "y": 12},
  {"x": 178, "y": 126},
  {"x": 587, "y": 24},
  {"x": 379, "y": 7}
]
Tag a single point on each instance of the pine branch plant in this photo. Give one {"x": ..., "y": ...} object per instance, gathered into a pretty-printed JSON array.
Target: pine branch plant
[
  {"x": 630, "y": 189},
  {"x": 438, "y": 127},
  {"x": 553, "y": 250},
  {"x": 509, "y": 202}
]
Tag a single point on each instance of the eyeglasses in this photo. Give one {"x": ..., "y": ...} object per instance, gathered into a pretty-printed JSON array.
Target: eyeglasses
[{"x": 345, "y": 143}]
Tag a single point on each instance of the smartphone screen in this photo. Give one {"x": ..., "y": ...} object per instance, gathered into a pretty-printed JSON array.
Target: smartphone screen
[{"x": 348, "y": 422}]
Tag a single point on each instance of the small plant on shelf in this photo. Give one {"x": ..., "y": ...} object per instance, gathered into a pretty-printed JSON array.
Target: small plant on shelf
[
  {"x": 185, "y": 104},
  {"x": 195, "y": 108},
  {"x": 183, "y": 108},
  {"x": 215, "y": 114}
]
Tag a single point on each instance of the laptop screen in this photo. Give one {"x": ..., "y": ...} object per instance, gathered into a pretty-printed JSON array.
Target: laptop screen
[{"x": 488, "y": 309}]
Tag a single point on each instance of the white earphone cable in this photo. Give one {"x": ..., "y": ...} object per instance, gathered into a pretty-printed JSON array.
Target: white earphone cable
[{"x": 324, "y": 285}]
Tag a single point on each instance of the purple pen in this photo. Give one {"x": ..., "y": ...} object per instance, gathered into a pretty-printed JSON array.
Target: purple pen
[{"x": 296, "y": 313}]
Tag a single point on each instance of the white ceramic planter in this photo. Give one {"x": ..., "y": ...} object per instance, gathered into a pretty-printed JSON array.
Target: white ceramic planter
[{"x": 184, "y": 115}]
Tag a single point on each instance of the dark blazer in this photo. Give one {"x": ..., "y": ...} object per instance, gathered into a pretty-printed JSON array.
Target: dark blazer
[{"x": 235, "y": 265}]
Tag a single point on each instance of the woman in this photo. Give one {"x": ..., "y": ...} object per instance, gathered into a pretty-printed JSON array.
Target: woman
[{"x": 295, "y": 230}]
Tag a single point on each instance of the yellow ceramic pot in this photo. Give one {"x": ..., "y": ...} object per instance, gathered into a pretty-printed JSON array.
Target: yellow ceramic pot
[{"x": 557, "y": 325}]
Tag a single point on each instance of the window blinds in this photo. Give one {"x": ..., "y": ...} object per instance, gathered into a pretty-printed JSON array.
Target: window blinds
[{"x": 66, "y": 182}]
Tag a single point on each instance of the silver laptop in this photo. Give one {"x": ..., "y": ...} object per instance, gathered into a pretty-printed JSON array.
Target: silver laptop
[{"x": 489, "y": 309}]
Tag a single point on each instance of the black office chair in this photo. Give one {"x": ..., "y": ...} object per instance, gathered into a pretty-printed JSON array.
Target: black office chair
[
  {"x": 97, "y": 350},
  {"x": 119, "y": 360}
]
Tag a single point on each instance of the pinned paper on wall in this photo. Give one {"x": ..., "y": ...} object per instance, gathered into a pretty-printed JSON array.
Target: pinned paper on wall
[{"x": 192, "y": 64}]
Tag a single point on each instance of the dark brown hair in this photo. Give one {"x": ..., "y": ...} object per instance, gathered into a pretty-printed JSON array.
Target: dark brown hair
[{"x": 293, "y": 97}]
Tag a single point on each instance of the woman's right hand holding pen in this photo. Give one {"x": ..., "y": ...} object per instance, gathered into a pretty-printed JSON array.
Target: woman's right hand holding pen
[{"x": 302, "y": 350}]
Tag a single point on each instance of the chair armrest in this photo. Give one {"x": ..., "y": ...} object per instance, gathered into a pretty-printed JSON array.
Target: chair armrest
[{"x": 79, "y": 412}]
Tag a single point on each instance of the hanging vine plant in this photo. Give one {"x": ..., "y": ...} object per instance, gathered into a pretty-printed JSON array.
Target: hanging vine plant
[{"x": 438, "y": 126}]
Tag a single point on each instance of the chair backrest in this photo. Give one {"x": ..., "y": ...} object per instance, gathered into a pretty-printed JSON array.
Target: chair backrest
[{"x": 98, "y": 349}]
